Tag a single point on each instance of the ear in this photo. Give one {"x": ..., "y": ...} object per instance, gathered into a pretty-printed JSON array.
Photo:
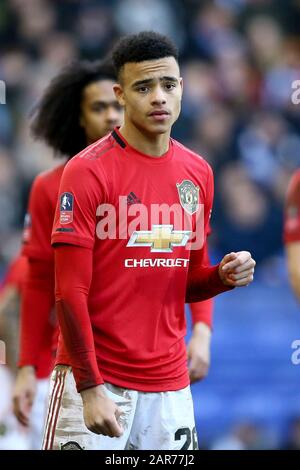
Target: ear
[{"x": 119, "y": 93}]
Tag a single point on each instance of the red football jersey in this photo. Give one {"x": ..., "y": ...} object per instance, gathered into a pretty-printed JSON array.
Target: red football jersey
[
  {"x": 16, "y": 273},
  {"x": 38, "y": 311},
  {"x": 107, "y": 198},
  {"x": 40, "y": 215},
  {"x": 292, "y": 210}
]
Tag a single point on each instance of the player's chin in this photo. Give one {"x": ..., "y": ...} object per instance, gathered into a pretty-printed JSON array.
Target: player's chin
[{"x": 159, "y": 127}]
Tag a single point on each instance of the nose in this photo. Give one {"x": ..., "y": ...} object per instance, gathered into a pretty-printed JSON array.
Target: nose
[{"x": 158, "y": 96}]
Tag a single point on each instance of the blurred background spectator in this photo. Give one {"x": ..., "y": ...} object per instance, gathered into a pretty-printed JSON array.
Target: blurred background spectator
[{"x": 239, "y": 59}]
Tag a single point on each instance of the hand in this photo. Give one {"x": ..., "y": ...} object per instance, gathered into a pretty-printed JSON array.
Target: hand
[
  {"x": 237, "y": 269},
  {"x": 198, "y": 351},
  {"x": 24, "y": 394},
  {"x": 100, "y": 413}
]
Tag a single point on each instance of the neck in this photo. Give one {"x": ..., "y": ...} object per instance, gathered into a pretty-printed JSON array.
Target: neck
[{"x": 154, "y": 145}]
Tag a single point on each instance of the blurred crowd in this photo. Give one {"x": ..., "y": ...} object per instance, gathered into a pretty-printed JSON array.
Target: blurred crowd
[{"x": 239, "y": 59}]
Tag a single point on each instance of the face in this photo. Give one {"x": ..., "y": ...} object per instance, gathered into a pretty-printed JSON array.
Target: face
[
  {"x": 100, "y": 110},
  {"x": 151, "y": 93}
]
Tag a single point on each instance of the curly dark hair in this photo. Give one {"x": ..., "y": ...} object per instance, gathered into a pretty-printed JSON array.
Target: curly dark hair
[
  {"x": 146, "y": 45},
  {"x": 56, "y": 118}
]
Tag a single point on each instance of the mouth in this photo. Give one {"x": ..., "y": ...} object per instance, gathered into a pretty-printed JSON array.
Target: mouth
[{"x": 159, "y": 115}]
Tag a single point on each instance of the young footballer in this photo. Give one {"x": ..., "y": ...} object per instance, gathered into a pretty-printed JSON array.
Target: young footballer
[{"x": 125, "y": 265}]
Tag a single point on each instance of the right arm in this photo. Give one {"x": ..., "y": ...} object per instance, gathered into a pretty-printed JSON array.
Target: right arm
[
  {"x": 73, "y": 243},
  {"x": 73, "y": 272},
  {"x": 73, "y": 268}
]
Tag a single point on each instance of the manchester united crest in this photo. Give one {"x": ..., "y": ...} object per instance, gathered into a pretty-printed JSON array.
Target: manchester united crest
[
  {"x": 71, "y": 445},
  {"x": 188, "y": 196}
]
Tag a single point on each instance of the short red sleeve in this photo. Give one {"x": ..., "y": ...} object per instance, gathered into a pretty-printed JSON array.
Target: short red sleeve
[
  {"x": 292, "y": 211},
  {"x": 82, "y": 189},
  {"x": 38, "y": 223}
]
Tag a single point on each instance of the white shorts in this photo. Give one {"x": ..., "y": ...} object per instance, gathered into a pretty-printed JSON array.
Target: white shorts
[{"x": 153, "y": 421}]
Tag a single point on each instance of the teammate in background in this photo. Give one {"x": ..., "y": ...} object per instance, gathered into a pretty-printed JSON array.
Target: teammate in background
[
  {"x": 78, "y": 108},
  {"x": 292, "y": 232},
  {"x": 120, "y": 292}
]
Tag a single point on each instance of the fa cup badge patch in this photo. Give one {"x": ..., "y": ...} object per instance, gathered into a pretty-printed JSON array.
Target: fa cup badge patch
[
  {"x": 66, "y": 208},
  {"x": 188, "y": 196}
]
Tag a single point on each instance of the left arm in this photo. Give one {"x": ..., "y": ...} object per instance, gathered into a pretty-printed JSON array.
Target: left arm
[{"x": 235, "y": 270}]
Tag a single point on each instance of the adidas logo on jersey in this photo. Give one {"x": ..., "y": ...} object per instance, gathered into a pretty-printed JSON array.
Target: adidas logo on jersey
[{"x": 132, "y": 199}]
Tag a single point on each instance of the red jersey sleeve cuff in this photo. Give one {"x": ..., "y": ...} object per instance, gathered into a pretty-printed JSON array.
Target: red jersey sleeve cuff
[
  {"x": 202, "y": 312},
  {"x": 86, "y": 372},
  {"x": 205, "y": 283}
]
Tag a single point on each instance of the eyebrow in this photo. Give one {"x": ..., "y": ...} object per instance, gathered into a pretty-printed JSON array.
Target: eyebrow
[{"x": 149, "y": 80}]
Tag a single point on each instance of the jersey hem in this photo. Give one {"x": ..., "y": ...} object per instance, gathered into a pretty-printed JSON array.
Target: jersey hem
[{"x": 72, "y": 240}]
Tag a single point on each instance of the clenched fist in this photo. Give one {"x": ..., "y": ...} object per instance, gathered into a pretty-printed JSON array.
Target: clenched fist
[
  {"x": 237, "y": 269},
  {"x": 100, "y": 413}
]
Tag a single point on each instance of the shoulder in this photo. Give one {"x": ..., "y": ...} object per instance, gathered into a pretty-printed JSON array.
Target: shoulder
[
  {"x": 48, "y": 176},
  {"x": 86, "y": 175},
  {"x": 94, "y": 152},
  {"x": 91, "y": 158},
  {"x": 192, "y": 158}
]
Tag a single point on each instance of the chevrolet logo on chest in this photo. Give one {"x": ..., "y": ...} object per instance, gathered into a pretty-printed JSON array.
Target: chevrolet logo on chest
[{"x": 161, "y": 239}]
